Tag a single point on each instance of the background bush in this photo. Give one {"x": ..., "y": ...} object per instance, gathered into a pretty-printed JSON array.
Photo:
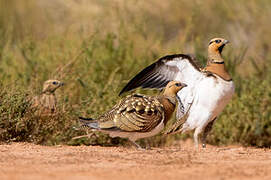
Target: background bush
[{"x": 96, "y": 46}]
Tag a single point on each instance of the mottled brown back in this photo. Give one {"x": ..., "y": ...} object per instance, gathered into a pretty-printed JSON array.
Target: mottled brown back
[{"x": 134, "y": 113}]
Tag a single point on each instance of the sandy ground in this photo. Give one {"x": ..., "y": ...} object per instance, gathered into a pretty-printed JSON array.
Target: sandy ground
[{"x": 29, "y": 161}]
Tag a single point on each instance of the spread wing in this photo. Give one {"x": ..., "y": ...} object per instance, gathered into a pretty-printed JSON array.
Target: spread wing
[
  {"x": 136, "y": 113},
  {"x": 168, "y": 68},
  {"x": 178, "y": 67}
]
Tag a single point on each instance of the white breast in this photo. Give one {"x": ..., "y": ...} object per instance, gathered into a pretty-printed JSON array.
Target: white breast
[{"x": 210, "y": 96}]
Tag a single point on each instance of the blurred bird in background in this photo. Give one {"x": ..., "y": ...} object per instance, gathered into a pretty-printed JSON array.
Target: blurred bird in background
[{"x": 46, "y": 103}]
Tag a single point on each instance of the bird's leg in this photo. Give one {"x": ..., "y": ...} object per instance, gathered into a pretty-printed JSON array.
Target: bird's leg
[
  {"x": 147, "y": 142},
  {"x": 196, "y": 134},
  {"x": 206, "y": 131},
  {"x": 137, "y": 145}
]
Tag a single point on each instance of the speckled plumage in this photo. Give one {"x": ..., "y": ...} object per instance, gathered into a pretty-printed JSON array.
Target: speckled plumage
[{"x": 137, "y": 116}]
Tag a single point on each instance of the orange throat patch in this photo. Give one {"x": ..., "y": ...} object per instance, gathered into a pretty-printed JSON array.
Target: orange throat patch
[
  {"x": 168, "y": 107},
  {"x": 218, "y": 69}
]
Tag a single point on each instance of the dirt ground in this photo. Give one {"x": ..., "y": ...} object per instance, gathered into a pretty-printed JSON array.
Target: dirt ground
[{"x": 29, "y": 161}]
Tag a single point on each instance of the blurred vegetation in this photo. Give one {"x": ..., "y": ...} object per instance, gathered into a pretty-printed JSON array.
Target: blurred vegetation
[{"x": 96, "y": 46}]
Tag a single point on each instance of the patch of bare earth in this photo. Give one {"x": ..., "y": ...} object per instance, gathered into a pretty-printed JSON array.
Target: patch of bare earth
[{"x": 29, "y": 161}]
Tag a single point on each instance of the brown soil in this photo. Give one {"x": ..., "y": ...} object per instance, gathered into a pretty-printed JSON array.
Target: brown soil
[{"x": 29, "y": 161}]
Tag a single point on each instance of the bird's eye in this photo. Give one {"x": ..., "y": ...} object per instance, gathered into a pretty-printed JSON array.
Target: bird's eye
[
  {"x": 217, "y": 41},
  {"x": 178, "y": 84},
  {"x": 54, "y": 83}
]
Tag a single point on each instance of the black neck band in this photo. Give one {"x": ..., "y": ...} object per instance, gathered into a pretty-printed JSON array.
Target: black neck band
[
  {"x": 217, "y": 62},
  {"x": 171, "y": 102}
]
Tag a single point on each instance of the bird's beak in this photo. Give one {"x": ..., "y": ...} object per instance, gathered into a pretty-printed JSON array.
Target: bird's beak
[
  {"x": 184, "y": 85},
  {"x": 62, "y": 84},
  {"x": 226, "y": 41}
]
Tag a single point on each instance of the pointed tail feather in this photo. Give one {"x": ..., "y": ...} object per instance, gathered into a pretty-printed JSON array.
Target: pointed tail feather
[
  {"x": 89, "y": 123},
  {"x": 83, "y": 118}
]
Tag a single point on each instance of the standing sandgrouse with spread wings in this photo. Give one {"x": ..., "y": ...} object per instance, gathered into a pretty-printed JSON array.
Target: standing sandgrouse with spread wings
[
  {"x": 137, "y": 116},
  {"x": 208, "y": 90}
]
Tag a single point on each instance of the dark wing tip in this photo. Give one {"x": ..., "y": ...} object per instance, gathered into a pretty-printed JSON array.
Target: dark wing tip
[{"x": 135, "y": 82}]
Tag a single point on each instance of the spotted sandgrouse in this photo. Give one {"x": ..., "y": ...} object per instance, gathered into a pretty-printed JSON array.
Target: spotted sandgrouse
[{"x": 137, "y": 116}]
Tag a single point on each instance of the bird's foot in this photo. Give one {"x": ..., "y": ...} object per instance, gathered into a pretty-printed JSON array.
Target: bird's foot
[{"x": 138, "y": 146}]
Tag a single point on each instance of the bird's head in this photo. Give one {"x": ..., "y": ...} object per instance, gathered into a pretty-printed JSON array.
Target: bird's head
[
  {"x": 217, "y": 45},
  {"x": 215, "y": 48},
  {"x": 50, "y": 86},
  {"x": 173, "y": 87}
]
